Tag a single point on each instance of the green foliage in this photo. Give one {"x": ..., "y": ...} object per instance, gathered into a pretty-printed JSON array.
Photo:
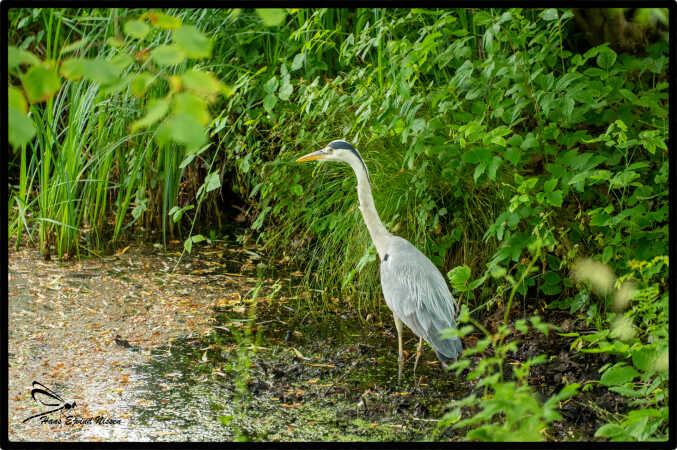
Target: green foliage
[
  {"x": 176, "y": 112},
  {"x": 637, "y": 334},
  {"x": 508, "y": 410},
  {"x": 495, "y": 144}
]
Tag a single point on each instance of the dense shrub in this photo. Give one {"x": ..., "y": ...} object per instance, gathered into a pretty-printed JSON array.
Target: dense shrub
[{"x": 487, "y": 133}]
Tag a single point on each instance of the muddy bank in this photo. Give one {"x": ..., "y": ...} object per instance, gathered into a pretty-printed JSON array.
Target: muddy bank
[{"x": 222, "y": 349}]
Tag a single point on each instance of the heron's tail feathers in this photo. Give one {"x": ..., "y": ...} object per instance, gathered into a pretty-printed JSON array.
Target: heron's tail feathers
[{"x": 447, "y": 350}]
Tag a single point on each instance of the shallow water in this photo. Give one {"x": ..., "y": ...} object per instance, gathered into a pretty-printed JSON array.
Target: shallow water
[{"x": 222, "y": 349}]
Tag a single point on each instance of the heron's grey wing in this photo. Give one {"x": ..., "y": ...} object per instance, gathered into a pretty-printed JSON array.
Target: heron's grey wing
[{"x": 416, "y": 292}]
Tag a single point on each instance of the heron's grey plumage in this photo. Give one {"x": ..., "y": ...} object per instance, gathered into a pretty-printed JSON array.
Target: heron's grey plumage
[
  {"x": 413, "y": 288},
  {"x": 415, "y": 291}
]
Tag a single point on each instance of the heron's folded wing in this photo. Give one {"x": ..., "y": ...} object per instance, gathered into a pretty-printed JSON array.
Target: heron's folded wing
[{"x": 416, "y": 292}]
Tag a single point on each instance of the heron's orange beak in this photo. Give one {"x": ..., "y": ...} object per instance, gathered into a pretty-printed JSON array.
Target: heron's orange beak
[{"x": 312, "y": 156}]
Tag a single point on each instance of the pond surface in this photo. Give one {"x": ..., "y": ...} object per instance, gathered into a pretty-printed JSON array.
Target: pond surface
[{"x": 218, "y": 347}]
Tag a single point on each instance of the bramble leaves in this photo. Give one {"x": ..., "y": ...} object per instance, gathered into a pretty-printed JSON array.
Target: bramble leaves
[{"x": 618, "y": 374}]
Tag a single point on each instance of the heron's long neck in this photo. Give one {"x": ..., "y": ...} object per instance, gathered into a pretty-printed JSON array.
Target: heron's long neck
[{"x": 378, "y": 232}]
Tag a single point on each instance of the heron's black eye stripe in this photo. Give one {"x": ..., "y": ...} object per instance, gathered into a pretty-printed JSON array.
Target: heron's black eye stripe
[
  {"x": 343, "y": 145},
  {"x": 385, "y": 258}
]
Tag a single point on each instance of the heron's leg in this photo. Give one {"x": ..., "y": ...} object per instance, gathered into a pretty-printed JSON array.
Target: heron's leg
[
  {"x": 400, "y": 353},
  {"x": 419, "y": 351}
]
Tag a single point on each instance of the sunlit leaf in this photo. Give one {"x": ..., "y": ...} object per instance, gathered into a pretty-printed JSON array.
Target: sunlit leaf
[
  {"x": 269, "y": 102},
  {"x": 168, "y": 55},
  {"x": 17, "y": 56},
  {"x": 212, "y": 182},
  {"x": 606, "y": 58},
  {"x": 299, "y": 59},
  {"x": 187, "y": 130},
  {"x": 459, "y": 276},
  {"x": 155, "y": 111},
  {"x": 97, "y": 70},
  {"x": 618, "y": 374},
  {"x": 192, "y": 105},
  {"x": 20, "y": 127},
  {"x": 122, "y": 61},
  {"x": 549, "y": 14},
  {"x": 16, "y": 99},
  {"x": 162, "y": 20},
  {"x": 194, "y": 43},
  {"x": 136, "y": 29},
  {"x": 201, "y": 82},
  {"x": 271, "y": 17},
  {"x": 140, "y": 83},
  {"x": 40, "y": 83}
]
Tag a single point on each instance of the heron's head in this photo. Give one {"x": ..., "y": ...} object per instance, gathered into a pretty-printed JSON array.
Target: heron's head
[{"x": 334, "y": 151}]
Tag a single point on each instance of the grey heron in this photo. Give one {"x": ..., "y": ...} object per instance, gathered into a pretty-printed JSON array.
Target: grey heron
[{"x": 413, "y": 288}]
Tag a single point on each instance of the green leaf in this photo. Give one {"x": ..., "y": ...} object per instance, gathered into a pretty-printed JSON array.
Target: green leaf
[
  {"x": 623, "y": 179},
  {"x": 458, "y": 276},
  {"x": 299, "y": 59},
  {"x": 136, "y": 29},
  {"x": 115, "y": 42},
  {"x": 20, "y": 128},
  {"x": 98, "y": 70},
  {"x": 168, "y": 55},
  {"x": 614, "y": 432},
  {"x": 16, "y": 99},
  {"x": 187, "y": 130},
  {"x": 495, "y": 163},
  {"x": 156, "y": 110},
  {"x": 212, "y": 182},
  {"x": 476, "y": 155},
  {"x": 101, "y": 71},
  {"x": 162, "y": 20},
  {"x": 269, "y": 102},
  {"x": 297, "y": 190},
  {"x": 642, "y": 358},
  {"x": 566, "y": 79},
  {"x": 194, "y": 42},
  {"x": 513, "y": 155},
  {"x": 551, "y": 184},
  {"x": 285, "y": 91},
  {"x": 479, "y": 170},
  {"x": 40, "y": 83},
  {"x": 549, "y": 14},
  {"x": 271, "y": 17},
  {"x": 191, "y": 104},
  {"x": 17, "y": 56},
  {"x": 201, "y": 82},
  {"x": 551, "y": 289},
  {"x": 140, "y": 84},
  {"x": 121, "y": 61},
  {"x": 555, "y": 198},
  {"x": 618, "y": 374},
  {"x": 73, "y": 68},
  {"x": 271, "y": 85},
  {"x": 606, "y": 58}
]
